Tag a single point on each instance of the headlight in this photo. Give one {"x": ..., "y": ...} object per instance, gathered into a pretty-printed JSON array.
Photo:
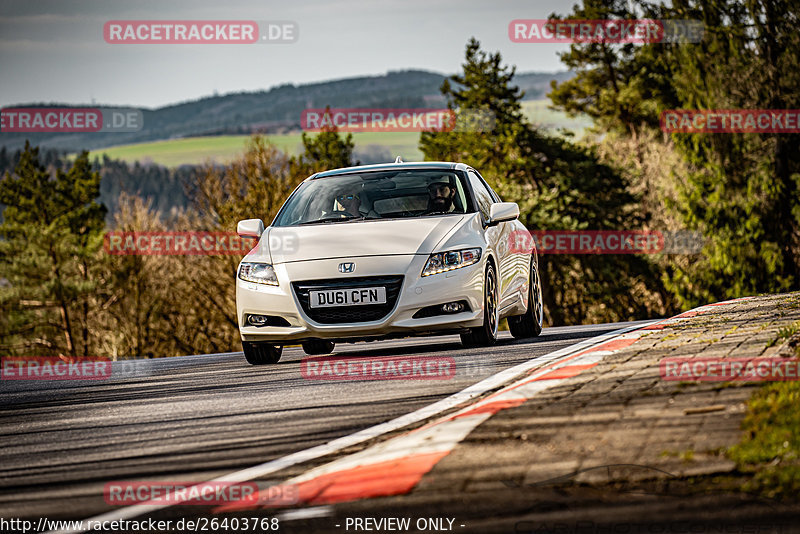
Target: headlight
[
  {"x": 453, "y": 259},
  {"x": 260, "y": 273}
]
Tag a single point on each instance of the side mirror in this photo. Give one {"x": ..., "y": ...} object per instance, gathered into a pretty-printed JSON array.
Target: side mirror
[
  {"x": 250, "y": 228},
  {"x": 502, "y": 212}
]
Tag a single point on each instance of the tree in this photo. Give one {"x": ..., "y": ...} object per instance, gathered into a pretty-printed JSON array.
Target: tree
[
  {"x": 327, "y": 150},
  {"x": 185, "y": 304},
  {"x": 621, "y": 86},
  {"x": 51, "y": 234},
  {"x": 743, "y": 193},
  {"x": 253, "y": 186},
  {"x": 138, "y": 317},
  {"x": 559, "y": 185},
  {"x": 739, "y": 190}
]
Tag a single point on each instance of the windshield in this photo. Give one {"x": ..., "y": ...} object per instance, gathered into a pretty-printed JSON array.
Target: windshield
[{"x": 376, "y": 195}]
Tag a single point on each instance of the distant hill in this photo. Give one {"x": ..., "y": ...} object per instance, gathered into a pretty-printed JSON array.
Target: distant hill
[
  {"x": 276, "y": 110},
  {"x": 370, "y": 147},
  {"x": 536, "y": 85}
]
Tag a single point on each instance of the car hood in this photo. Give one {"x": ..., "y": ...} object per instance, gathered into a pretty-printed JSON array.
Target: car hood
[{"x": 351, "y": 239}]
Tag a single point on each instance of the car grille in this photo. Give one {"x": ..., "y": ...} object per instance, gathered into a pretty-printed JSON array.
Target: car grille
[{"x": 349, "y": 314}]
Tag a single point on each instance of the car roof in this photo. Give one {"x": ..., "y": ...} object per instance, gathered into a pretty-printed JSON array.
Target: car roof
[{"x": 392, "y": 166}]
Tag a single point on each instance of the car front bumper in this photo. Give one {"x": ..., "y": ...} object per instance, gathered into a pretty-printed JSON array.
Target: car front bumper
[{"x": 416, "y": 292}]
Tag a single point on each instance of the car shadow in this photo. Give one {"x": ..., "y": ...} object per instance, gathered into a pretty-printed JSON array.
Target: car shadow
[{"x": 430, "y": 345}]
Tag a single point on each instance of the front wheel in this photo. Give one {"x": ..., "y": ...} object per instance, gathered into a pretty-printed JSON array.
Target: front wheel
[
  {"x": 529, "y": 324},
  {"x": 261, "y": 353},
  {"x": 486, "y": 334}
]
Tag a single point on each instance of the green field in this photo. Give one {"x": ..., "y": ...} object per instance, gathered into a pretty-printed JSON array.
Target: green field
[
  {"x": 548, "y": 119},
  {"x": 224, "y": 148}
]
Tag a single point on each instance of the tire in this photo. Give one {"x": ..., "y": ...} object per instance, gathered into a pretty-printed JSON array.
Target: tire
[
  {"x": 486, "y": 334},
  {"x": 261, "y": 353},
  {"x": 530, "y": 323},
  {"x": 314, "y": 347}
]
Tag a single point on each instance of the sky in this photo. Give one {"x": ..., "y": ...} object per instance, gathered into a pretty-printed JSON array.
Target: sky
[{"x": 54, "y": 51}]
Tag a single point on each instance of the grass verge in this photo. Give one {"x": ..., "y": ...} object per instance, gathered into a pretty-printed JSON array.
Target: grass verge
[{"x": 770, "y": 449}]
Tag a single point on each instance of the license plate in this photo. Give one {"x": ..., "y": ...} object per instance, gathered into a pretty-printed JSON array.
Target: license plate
[{"x": 348, "y": 297}]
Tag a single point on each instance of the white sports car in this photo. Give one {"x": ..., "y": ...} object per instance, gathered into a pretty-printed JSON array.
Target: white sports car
[{"x": 384, "y": 251}]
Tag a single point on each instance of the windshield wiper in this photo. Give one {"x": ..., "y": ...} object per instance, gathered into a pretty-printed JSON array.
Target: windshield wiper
[
  {"x": 326, "y": 220},
  {"x": 435, "y": 213}
]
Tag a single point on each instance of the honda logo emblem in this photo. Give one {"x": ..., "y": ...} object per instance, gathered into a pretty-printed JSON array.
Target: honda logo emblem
[{"x": 347, "y": 267}]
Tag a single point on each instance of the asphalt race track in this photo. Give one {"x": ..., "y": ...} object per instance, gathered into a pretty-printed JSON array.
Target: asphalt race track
[{"x": 195, "y": 418}]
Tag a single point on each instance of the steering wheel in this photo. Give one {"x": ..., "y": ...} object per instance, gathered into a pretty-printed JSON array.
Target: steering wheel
[{"x": 345, "y": 214}]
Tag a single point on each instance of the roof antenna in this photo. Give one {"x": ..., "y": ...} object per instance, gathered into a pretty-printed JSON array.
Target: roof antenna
[{"x": 399, "y": 160}]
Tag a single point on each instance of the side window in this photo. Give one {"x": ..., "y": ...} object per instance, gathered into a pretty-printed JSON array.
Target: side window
[{"x": 482, "y": 194}]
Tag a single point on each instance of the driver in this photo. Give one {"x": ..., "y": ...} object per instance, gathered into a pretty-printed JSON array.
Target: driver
[{"x": 440, "y": 196}]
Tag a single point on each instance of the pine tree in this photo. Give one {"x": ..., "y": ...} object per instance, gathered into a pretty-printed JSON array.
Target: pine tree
[
  {"x": 558, "y": 185},
  {"x": 51, "y": 233},
  {"x": 742, "y": 191}
]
